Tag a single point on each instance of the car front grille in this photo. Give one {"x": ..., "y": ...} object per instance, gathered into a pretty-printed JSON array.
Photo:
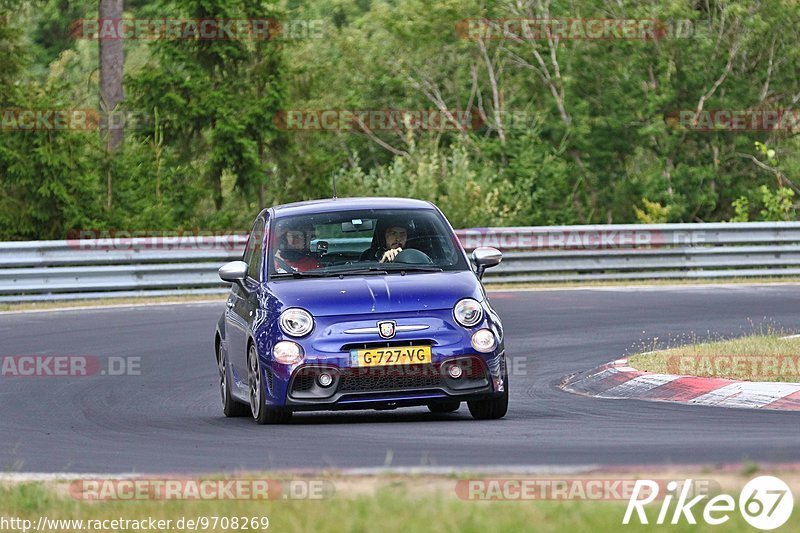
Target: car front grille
[
  {"x": 381, "y": 379},
  {"x": 357, "y": 380}
]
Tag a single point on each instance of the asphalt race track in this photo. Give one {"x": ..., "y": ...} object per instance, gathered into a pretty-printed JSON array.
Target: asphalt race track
[{"x": 168, "y": 419}]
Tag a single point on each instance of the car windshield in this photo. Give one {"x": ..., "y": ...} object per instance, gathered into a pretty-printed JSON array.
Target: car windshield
[{"x": 368, "y": 242}]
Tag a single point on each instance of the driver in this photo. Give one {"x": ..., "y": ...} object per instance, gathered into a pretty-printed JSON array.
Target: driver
[
  {"x": 294, "y": 253},
  {"x": 395, "y": 238},
  {"x": 389, "y": 240}
]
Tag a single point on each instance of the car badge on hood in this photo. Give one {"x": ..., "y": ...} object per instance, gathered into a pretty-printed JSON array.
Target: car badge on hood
[{"x": 386, "y": 329}]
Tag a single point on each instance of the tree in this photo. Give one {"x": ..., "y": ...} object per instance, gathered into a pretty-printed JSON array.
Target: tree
[{"x": 216, "y": 98}]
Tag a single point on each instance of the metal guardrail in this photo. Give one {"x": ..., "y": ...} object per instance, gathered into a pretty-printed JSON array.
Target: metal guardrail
[{"x": 116, "y": 267}]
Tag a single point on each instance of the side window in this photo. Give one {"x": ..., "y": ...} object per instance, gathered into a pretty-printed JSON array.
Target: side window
[
  {"x": 248, "y": 249},
  {"x": 257, "y": 259},
  {"x": 254, "y": 252}
]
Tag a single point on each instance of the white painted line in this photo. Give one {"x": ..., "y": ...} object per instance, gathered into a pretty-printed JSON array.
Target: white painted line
[
  {"x": 24, "y": 477},
  {"x": 638, "y": 385},
  {"x": 601, "y": 375},
  {"x": 449, "y": 470},
  {"x": 747, "y": 394},
  {"x": 652, "y": 287},
  {"x": 78, "y": 308},
  {"x": 532, "y": 469},
  {"x": 529, "y": 289}
]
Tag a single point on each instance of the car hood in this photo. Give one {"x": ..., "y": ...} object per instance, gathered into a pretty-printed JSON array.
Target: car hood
[{"x": 377, "y": 293}]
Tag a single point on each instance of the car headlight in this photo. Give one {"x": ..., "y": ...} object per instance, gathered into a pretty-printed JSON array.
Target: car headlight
[
  {"x": 483, "y": 341},
  {"x": 296, "y": 322},
  {"x": 287, "y": 352},
  {"x": 468, "y": 312}
]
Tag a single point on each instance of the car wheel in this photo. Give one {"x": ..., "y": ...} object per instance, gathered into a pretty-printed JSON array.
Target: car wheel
[
  {"x": 230, "y": 406},
  {"x": 444, "y": 407},
  {"x": 258, "y": 396},
  {"x": 491, "y": 408}
]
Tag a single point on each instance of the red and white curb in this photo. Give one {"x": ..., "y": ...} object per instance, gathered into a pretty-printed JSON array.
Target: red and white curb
[{"x": 617, "y": 380}]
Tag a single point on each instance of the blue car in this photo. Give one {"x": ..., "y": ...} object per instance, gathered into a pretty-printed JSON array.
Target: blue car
[{"x": 358, "y": 303}]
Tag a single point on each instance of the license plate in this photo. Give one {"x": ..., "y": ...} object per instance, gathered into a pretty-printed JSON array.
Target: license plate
[{"x": 400, "y": 355}]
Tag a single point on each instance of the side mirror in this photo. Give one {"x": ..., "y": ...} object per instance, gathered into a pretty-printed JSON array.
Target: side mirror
[
  {"x": 486, "y": 257},
  {"x": 233, "y": 272}
]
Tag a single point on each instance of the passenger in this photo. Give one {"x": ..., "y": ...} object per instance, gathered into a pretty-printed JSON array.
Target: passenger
[{"x": 294, "y": 253}]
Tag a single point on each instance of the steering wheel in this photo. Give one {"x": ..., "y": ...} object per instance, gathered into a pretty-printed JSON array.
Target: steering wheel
[{"x": 411, "y": 256}]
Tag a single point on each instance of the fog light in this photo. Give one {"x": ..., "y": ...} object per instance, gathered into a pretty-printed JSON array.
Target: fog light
[
  {"x": 483, "y": 341},
  {"x": 287, "y": 352},
  {"x": 325, "y": 380},
  {"x": 455, "y": 371}
]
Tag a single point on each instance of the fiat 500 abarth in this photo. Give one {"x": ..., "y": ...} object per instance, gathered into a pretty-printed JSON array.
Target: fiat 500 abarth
[{"x": 360, "y": 303}]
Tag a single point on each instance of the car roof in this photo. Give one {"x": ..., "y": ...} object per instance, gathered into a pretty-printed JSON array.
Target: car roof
[{"x": 347, "y": 204}]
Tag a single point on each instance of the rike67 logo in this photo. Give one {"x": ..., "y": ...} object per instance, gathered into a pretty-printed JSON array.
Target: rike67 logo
[{"x": 765, "y": 503}]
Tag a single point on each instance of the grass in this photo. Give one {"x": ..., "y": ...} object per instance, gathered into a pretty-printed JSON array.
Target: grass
[
  {"x": 758, "y": 357},
  {"x": 391, "y": 507}
]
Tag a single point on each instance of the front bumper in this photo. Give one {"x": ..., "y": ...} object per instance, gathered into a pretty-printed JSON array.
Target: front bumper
[{"x": 406, "y": 384}]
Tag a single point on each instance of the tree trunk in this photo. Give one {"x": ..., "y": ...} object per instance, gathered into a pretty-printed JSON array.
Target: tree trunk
[{"x": 112, "y": 57}]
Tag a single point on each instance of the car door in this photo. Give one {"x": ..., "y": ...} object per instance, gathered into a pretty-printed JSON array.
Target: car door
[{"x": 243, "y": 301}]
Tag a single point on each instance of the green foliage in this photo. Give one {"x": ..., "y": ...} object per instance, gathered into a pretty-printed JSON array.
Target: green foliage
[
  {"x": 777, "y": 204},
  {"x": 216, "y": 99},
  {"x": 37, "y": 201},
  {"x": 768, "y": 152},
  {"x": 653, "y": 212},
  {"x": 575, "y": 132},
  {"x": 741, "y": 206},
  {"x": 48, "y": 180},
  {"x": 468, "y": 193}
]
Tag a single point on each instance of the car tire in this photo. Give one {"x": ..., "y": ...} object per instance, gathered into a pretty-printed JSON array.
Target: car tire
[
  {"x": 261, "y": 412},
  {"x": 444, "y": 407},
  {"x": 231, "y": 407},
  {"x": 491, "y": 408}
]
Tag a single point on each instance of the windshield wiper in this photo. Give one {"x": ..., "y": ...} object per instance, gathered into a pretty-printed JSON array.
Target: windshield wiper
[
  {"x": 298, "y": 274},
  {"x": 414, "y": 268},
  {"x": 360, "y": 272},
  {"x": 375, "y": 271},
  {"x": 368, "y": 271}
]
